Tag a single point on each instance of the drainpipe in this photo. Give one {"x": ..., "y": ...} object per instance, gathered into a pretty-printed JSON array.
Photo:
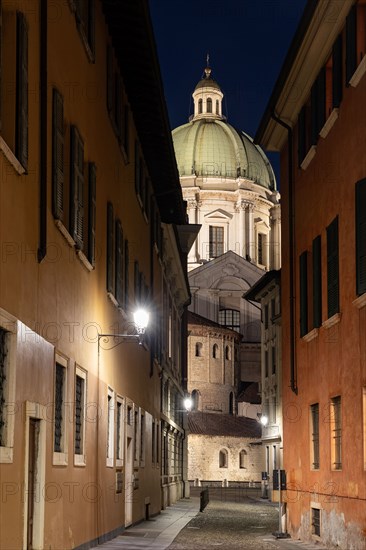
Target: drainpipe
[{"x": 293, "y": 369}]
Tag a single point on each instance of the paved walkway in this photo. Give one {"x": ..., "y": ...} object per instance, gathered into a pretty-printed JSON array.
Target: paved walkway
[
  {"x": 206, "y": 531},
  {"x": 159, "y": 532}
]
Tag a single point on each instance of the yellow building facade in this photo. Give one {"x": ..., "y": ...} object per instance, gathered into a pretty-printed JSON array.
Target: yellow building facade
[{"x": 91, "y": 224}]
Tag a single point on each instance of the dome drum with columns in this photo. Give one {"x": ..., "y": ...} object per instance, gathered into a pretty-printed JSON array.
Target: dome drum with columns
[{"x": 228, "y": 183}]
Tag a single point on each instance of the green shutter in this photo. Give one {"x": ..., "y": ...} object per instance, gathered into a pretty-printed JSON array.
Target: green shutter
[
  {"x": 21, "y": 140},
  {"x": 337, "y": 81},
  {"x": 317, "y": 283},
  {"x": 57, "y": 155},
  {"x": 333, "y": 268},
  {"x": 303, "y": 293},
  {"x": 361, "y": 237},
  {"x": 92, "y": 212},
  {"x": 119, "y": 264},
  {"x": 76, "y": 187},
  {"x": 351, "y": 43},
  {"x": 110, "y": 248}
]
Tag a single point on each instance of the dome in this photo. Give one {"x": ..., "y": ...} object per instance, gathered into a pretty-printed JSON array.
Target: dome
[
  {"x": 209, "y": 146},
  {"x": 212, "y": 147}
]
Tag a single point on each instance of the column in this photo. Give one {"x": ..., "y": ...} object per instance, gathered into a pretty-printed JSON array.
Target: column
[
  {"x": 276, "y": 237},
  {"x": 251, "y": 239}
]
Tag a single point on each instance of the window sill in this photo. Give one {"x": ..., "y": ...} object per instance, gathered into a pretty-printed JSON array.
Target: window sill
[
  {"x": 360, "y": 301},
  {"x": 358, "y": 74},
  {"x": 84, "y": 260},
  {"x": 308, "y": 158},
  {"x": 311, "y": 335},
  {"x": 8, "y": 153},
  {"x": 59, "y": 459},
  {"x": 60, "y": 226},
  {"x": 119, "y": 463},
  {"x": 79, "y": 460},
  {"x": 112, "y": 299},
  {"x": 110, "y": 463},
  {"x": 334, "y": 320},
  {"x": 329, "y": 123},
  {"x": 6, "y": 455}
]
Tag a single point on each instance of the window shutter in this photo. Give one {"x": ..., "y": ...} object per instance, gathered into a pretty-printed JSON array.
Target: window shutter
[
  {"x": 337, "y": 81},
  {"x": 351, "y": 48},
  {"x": 333, "y": 268},
  {"x": 110, "y": 248},
  {"x": 119, "y": 264},
  {"x": 314, "y": 113},
  {"x": 321, "y": 100},
  {"x": 127, "y": 263},
  {"x": 110, "y": 81},
  {"x": 77, "y": 188},
  {"x": 22, "y": 91},
  {"x": 317, "y": 283},
  {"x": 92, "y": 212},
  {"x": 57, "y": 155},
  {"x": 303, "y": 293},
  {"x": 361, "y": 237}
]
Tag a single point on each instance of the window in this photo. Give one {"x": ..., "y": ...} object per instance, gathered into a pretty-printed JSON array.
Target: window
[
  {"x": 217, "y": 107},
  {"x": 209, "y": 105},
  {"x": 216, "y": 236},
  {"x": 231, "y": 403},
  {"x": 273, "y": 308},
  {"x": 199, "y": 106},
  {"x": 332, "y": 268},
  {"x": 314, "y": 423},
  {"x": 85, "y": 20},
  {"x": 120, "y": 431},
  {"x": 317, "y": 283},
  {"x": 117, "y": 107},
  {"x": 336, "y": 432},
  {"x": 337, "y": 66},
  {"x": 266, "y": 316},
  {"x": 260, "y": 257},
  {"x": 153, "y": 444},
  {"x": 303, "y": 128},
  {"x": 110, "y": 428},
  {"x": 273, "y": 360},
  {"x": 315, "y": 521},
  {"x": 79, "y": 427},
  {"x": 230, "y": 318},
  {"x": 242, "y": 459},
  {"x": 110, "y": 249},
  {"x": 215, "y": 351},
  {"x": 8, "y": 335},
  {"x": 303, "y": 293},
  {"x": 227, "y": 353},
  {"x": 136, "y": 432},
  {"x": 266, "y": 369},
  {"x": 142, "y": 439},
  {"x": 57, "y": 155},
  {"x": 60, "y": 400},
  {"x": 76, "y": 187},
  {"x": 195, "y": 400},
  {"x": 351, "y": 43},
  {"x": 198, "y": 349},
  {"x": 223, "y": 458},
  {"x": 318, "y": 97},
  {"x": 361, "y": 237}
]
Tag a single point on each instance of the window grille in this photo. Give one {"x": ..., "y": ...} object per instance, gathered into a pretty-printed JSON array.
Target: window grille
[
  {"x": 216, "y": 245},
  {"x": 230, "y": 318},
  {"x": 3, "y": 375},
  {"x": 79, "y": 403},
  {"x": 315, "y": 521},
  {"x": 314, "y": 409},
  {"x": 336, "y": 424},
  {"x": 59, "y": 399}
]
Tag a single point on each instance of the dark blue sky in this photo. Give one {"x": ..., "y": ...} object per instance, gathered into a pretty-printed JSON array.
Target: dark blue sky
[{"x": 247, "y": 41}]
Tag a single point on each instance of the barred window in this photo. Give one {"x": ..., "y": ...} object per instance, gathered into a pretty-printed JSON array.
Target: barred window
[
  {"x": 80, "y": 399},
  {"x": 336, "y": 432},
  {"x": 3, "y": 382},
  {"x": 314, "y": 413},
  {"x": 59, "y": 403}
]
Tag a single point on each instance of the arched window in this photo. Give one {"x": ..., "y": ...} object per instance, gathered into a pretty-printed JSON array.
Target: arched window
[
  {"x": 223, "y": 459},
  {"x": 209, "y": 105},
  {"x": 199, "y": 106},
  {"x": 260, "y": 256},
  {"x": 217, "y": 107},
  {"x": 195, "y": 400},
  {"x": 198, "y": 349},
  {"x": 230, "y": 318},
  {"x": 215, "y": 351},
  {"x": 227, "y": 353},
  {"x": 231, "y": 403},
  {"x": 242, "y": 459}
]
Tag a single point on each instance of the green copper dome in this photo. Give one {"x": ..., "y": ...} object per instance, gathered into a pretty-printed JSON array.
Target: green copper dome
[{"x": 212, "y": 147}]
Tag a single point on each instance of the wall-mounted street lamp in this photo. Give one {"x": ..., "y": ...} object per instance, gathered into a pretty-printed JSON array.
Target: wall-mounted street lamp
[
  {"x": 138, "y": 329},
  {"x": 188, "y": 403},
  {"x": 262, "y": 418}
]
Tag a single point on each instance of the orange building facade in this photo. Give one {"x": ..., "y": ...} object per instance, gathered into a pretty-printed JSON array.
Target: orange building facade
[
  {"x": 316, "y": 119},
  {"x": 91, "y": 223}
]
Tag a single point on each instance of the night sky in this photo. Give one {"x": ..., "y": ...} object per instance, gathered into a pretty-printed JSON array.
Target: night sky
[{"x": 247, "y": 41}]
